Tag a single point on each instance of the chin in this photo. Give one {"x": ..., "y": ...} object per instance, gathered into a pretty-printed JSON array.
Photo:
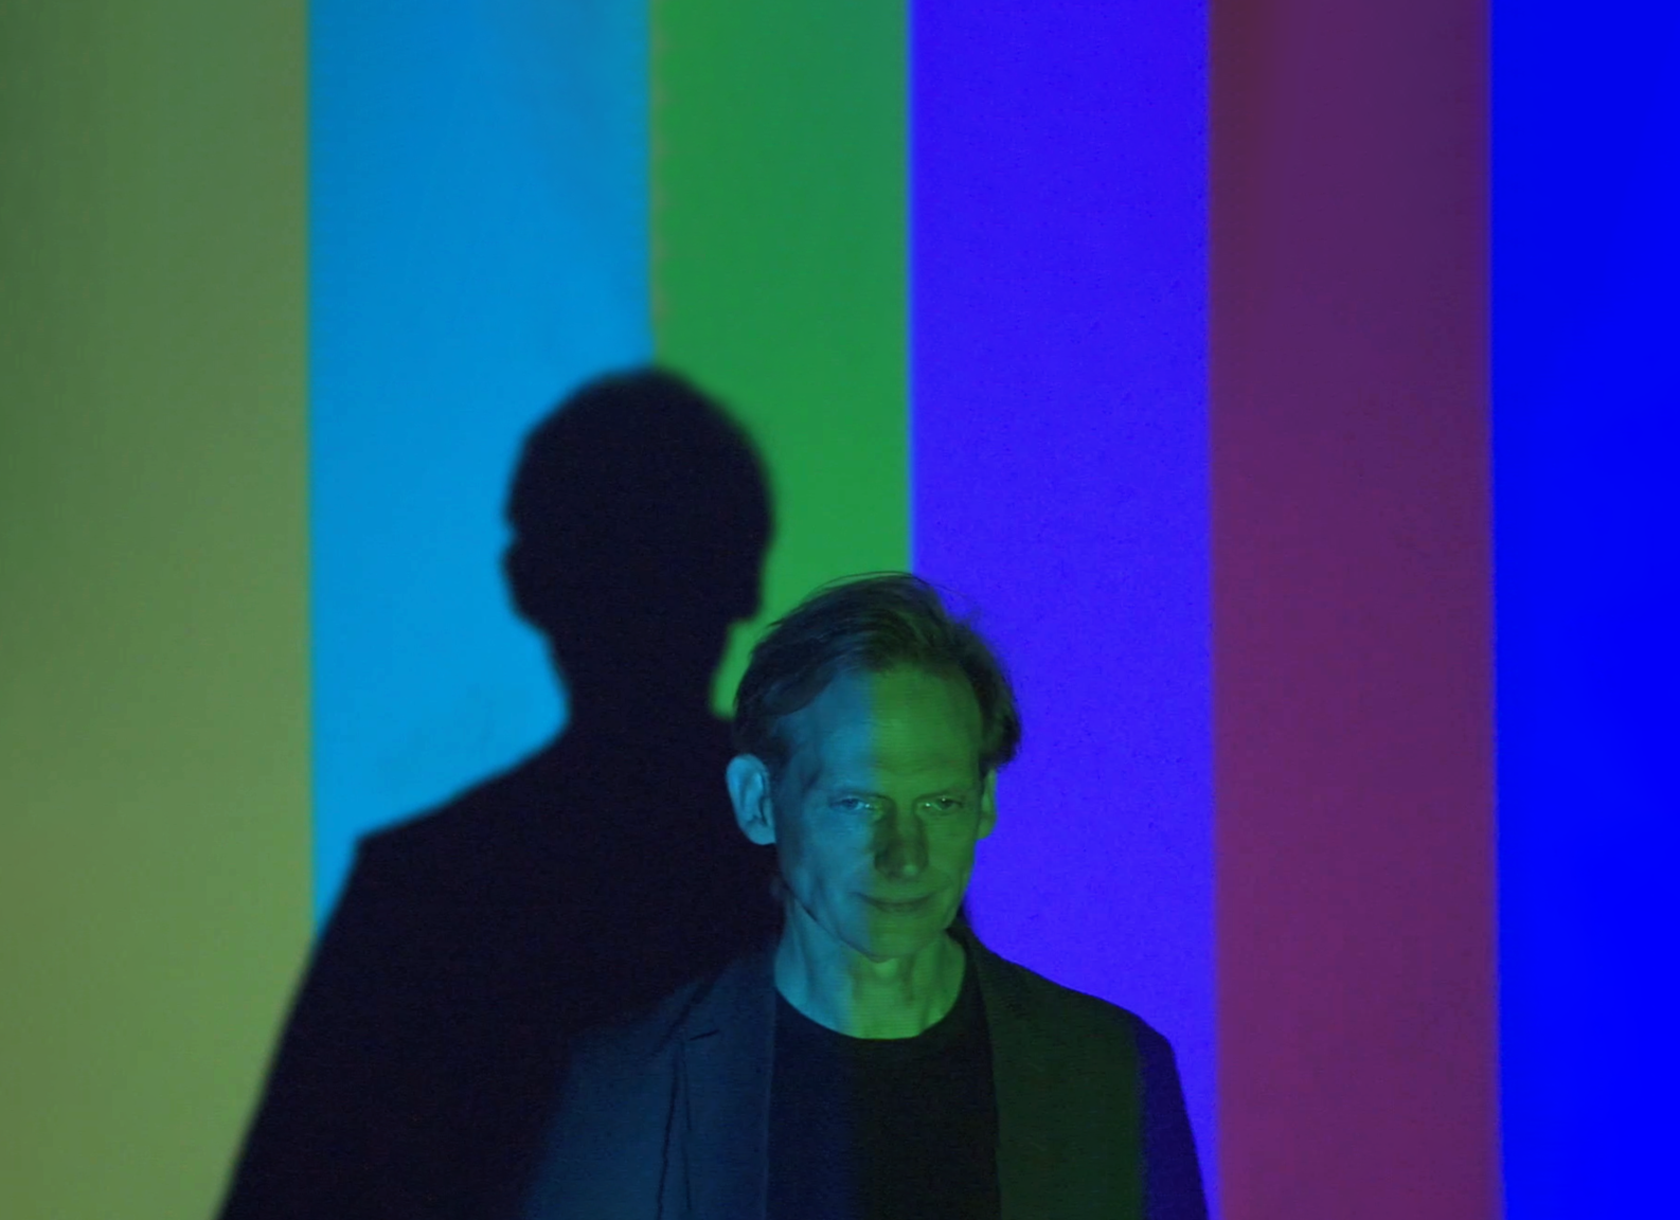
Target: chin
[{"x": 884, "y": 943}]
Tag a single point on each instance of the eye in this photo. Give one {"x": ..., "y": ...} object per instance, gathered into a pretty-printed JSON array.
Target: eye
[{"x": 946, "y": 804}]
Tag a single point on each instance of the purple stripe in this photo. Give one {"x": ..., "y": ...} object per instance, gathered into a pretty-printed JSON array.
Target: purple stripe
[
  {"x": 1351, "y": 601},
  {"x": 1059, "y": 458}
]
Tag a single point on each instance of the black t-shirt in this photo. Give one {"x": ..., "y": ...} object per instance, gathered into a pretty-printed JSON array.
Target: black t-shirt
[{"x": 884, "y": 1129}]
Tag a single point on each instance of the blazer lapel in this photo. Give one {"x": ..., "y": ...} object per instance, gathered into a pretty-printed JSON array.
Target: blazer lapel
[
  {"x": 724, "y": 1065},
  {"x": 1067, "y": 1101},
  {"x": 1066, "y": 1078}
]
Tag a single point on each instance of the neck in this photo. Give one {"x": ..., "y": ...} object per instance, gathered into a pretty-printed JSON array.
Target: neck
[
  {"x": 646, "y": 686},
  {"x": 840, "y": 988},
  {"x": 644, "y": 707}
]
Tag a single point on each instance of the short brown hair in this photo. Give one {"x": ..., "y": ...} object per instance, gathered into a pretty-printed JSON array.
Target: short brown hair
[{"x": 868, "y": 623}]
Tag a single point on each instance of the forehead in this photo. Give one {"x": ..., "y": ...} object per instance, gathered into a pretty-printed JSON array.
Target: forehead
[{"x": 903, "y": 720}]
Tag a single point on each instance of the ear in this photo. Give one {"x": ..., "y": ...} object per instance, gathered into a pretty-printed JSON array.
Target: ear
[
  {"x": 749, "y": 791},
  {"x": 988, "y": 805}
]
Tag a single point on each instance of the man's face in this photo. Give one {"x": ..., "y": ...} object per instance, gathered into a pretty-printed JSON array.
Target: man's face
[{"x": 880, "y": 806}]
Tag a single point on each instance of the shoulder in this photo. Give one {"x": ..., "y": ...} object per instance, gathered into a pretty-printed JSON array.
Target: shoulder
[
  {"x": 704, "y": 1005},
  {"x": 607, "y": 1139},
  {"x": 472, "y": 831},
  {"x": 640, "y": 1037},
  {"x": 1072, "y": 1015}
]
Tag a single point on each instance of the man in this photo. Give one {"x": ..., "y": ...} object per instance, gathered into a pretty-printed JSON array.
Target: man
[{"x": 877, "y": 1060}]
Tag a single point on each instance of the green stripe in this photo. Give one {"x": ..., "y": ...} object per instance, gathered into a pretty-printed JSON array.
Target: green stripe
[
  {"x": 154, "y": 865},
  {"x": 779, "y": 263}
]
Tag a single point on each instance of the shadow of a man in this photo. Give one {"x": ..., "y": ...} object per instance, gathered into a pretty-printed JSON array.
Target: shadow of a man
[{"x": 420, "y": 1059}]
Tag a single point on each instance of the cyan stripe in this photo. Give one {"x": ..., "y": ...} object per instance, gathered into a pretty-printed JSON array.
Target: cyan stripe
[{"x": 478, "y": 245}]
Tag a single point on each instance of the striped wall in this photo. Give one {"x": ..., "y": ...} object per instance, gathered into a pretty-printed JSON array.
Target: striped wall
[
  {"x": 1276, "y": 379},
  {"x": 154, "y": 576}
]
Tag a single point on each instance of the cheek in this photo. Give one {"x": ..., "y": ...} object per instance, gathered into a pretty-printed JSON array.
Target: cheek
[
  {"x": 958, "y": 856},
  {"x": 803, "y": 846},
  {"x": 830, "y": 856}
]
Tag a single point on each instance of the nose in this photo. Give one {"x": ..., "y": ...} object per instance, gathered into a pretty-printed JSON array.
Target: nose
[{"x": 901, "y": 846}]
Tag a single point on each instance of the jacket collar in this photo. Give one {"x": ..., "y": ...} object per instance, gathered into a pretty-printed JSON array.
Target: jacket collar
[
  {"x": 727, "y": 1045},
  {"x": 724, "y": 1062}
]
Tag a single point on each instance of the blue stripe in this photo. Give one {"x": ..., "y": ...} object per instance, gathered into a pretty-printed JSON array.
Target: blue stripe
[
  {"x": 1586, "y": 140},
  {"x": 1060, "y": 474}
]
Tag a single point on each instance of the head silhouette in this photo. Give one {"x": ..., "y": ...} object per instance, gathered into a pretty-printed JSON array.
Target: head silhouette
[{"x": 640, "y": 515}]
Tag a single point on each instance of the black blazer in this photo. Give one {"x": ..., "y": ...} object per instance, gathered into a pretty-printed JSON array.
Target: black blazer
[{"x": 667, "y": 1117}]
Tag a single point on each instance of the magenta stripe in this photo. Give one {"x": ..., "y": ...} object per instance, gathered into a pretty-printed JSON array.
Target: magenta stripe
[{"x": 1353, "y": 739}]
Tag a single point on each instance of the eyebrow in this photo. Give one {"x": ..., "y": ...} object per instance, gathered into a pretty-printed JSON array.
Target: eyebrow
[{"x": 854, "y": 790}]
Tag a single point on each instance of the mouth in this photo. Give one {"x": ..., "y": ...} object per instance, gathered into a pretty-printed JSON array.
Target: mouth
[{"x": 908, "y": 907}]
